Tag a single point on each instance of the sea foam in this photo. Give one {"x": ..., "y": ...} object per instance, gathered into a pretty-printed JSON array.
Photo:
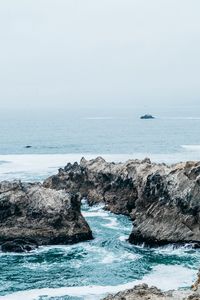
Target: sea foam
[
  {"x": 162, "y": 276},
  {"x": 38, "y": 166}
]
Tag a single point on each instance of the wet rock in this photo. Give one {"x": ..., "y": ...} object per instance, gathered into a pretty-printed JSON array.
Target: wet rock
[
  {"x": 19, "y": 245},
  {"x": 30, "y": 212}
]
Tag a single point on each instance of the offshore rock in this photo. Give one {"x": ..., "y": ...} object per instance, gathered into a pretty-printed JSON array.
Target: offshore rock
[
  {"x": 163, "y": 201},
  {"x": 147, "y": 117},
  {"x": 31, "y": 215}
]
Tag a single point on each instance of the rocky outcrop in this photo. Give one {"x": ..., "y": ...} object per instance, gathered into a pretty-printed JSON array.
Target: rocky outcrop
[
  {"x": 140, "y": 292},
  {"x": 163, "y": 201},
  {"x": 32, "y": 215},
  {"x": 168, "y": 207},
  {"x": 98, "y": 181},
  {"x": 143, "y": 292}
]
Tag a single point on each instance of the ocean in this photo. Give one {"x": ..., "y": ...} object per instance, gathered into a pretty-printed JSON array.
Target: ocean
[{"x": 109, "y": 263}]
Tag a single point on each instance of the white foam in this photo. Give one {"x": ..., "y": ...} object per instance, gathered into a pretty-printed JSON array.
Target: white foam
[
  {"x": 97, "y": 207},
  {"x": 123, "y": 238},
  {"x": 112, "y": 223},
  {"x": 191, "y": 147},
  {"x": 110, "y": 258},
  {"x": 164, "y": 277},
  {"x": 91, "y": 214},
  {"x": 107, "y": 256},
  {"x": 31, "y": 166}
]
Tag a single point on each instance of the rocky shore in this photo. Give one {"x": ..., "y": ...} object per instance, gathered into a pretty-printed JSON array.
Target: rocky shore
[
  {"x": 143, "y": 292},
  {"x": 32, "y": 215},
  {"x": 163, "y": 201}
]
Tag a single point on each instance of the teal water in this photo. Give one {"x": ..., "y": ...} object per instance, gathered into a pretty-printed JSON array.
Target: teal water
[
  {"x": 109, "y": 131},
  {"x": 109, "y": 263}
]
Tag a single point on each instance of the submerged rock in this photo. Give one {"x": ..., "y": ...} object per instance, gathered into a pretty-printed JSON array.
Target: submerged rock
[
  {"x": 32, "y": 215},
  {"x": 163, "y": 201}
]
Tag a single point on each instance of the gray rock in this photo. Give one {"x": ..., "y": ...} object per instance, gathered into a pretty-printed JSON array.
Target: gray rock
[
  {"x": 143, "y": 292},
  {"x": 139, "y": 292},
  {"x": 147, "y": 117},
  {"x": 30, "y": 212},
  {"x": 163, "y": 201}
]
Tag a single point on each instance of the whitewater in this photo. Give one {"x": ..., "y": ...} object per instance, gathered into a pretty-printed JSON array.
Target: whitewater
[{"x": 92, "y": 269}]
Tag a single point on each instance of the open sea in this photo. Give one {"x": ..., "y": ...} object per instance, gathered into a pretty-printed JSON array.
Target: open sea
[{"x": 109, "y": 263}]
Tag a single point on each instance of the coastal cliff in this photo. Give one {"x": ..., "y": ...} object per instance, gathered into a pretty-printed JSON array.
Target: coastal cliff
[
  {"x": 163, "y": 201},
  {"x": 31, "y": 215}
]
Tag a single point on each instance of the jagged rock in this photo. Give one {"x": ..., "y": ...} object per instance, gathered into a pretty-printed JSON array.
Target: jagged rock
[
  {"x": 167, "y": 210},
  {"x": 139, "y": 292},
  {"x": 98, "y": 181},
  {"x": 33, "y": 215},
  {"x": 163, "y": 201},
  {"x": 143, "y": 292}
]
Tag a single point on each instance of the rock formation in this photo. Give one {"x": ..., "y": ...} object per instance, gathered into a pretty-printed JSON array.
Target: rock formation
[
  {"x": 143, "y": 292},
  {"x": 32, "y": 215},
  {"x": 163, "y": 201},
  {"x": 147, "y": 117},
  {"x": 98, "y": 181}
]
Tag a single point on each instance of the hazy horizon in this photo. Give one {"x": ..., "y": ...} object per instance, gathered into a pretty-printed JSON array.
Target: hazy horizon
[{"x": 58, "y": 53}]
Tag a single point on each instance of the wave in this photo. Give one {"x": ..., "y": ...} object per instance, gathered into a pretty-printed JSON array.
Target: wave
[
  {"x": 91, "y": 214},
  {"x": 38, "y": 166},
  {"x": 113, "y": 224},
  {"x": 191, "y": 147},
  {"x": 164, "y": 277},
  {"x": 31, "y": 167}
]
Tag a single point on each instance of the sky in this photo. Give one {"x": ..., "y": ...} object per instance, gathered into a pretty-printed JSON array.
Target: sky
[{"x": 75, "y": 53}]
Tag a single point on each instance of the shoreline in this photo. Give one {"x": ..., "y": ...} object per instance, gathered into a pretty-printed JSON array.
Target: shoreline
[{"x": 99, "y": 169}]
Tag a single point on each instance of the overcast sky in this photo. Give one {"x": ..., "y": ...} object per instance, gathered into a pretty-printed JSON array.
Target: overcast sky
[{"x": 95, "y": 52}]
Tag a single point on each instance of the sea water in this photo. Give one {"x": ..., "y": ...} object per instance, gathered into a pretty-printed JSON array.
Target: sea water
[{"x": 108, "y": 263}]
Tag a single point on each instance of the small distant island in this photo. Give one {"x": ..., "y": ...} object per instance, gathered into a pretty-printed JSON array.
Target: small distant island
[{"x": 147, "y": 116}]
